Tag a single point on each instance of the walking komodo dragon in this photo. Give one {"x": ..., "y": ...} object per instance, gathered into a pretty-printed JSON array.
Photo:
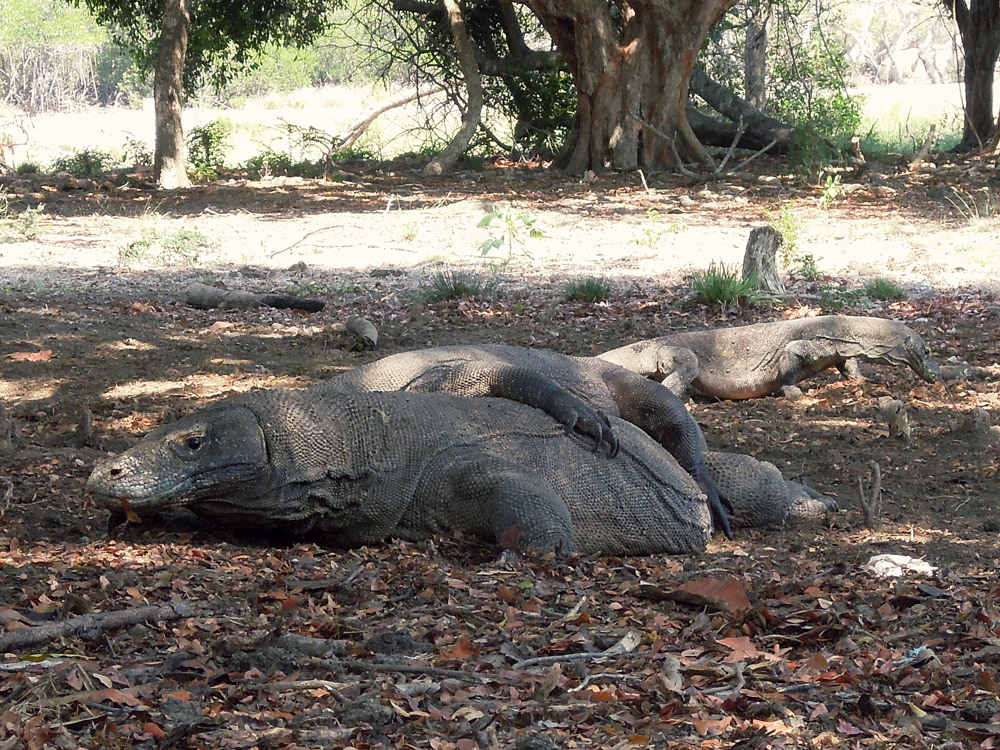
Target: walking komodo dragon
[
  {"x": 358, "y": 467},
  {"x": 765, "y": 358}
]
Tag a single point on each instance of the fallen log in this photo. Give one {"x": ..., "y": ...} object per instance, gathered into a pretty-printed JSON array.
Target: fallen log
[
  {"x": 206, "y": 297},
  {"x": 95, "y": 624}
]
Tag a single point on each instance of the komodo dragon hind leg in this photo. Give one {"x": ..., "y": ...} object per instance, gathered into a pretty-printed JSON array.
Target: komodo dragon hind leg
[
  {"x": 491, "y": 498},
  {"x": 526, "y": 386},
  {"x": 661, "y": 414}
]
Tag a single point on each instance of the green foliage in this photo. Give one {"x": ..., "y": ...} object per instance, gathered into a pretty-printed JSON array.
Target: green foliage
[
  {"x": 515, "y": 229},
  {"x": 788, "y": 225},
  {"x": 26, "y": 168},
  {"x": 835, "y": 297},
  {"x": 651, "y": 237},
  {"x": 226, "y": 37},
  {"x": 882, "y": 289},
  {"x": 589, "y": 289},
  {"x": 15, "y": 227},
  {"x": 180, "y": 247},
  {"x": 832, "y": 191},
  {"x": 807, "y": 74},
  {"x": 454, "y": 283},
  {"x": 208, "y": 146},
  {"x": 136, "y": 153},
  {"x": 90, "y": 162},
  {"x": 805, "y": 266},
  {"x": 723, "y": 286}
]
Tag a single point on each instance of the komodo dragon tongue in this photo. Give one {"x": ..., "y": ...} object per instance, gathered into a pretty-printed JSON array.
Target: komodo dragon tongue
[{"x": 207, "y": 454}]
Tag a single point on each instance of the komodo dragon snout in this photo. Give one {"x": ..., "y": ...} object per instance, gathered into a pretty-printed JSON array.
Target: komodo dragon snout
[
  {"x": 913, "y": 351},
  {"x": 184, "y": 462}
]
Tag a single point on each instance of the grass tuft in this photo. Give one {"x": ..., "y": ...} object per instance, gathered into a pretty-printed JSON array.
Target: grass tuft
[
  {"x": 456, "y": 283},
  {"x": 720, "y": 285},
  {"x": 589, "y": 289},
  {"x": 883, "y": 289}
]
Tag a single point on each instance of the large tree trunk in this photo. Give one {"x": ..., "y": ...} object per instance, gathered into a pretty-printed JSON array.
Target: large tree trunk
[
  {"x": 474, "y": 85},
  {"x": 631, "y": 73},
  {"x": 755, "y": 55},
  {"x": 170, "y": 154},
  {"x": 979, "y": 26}
]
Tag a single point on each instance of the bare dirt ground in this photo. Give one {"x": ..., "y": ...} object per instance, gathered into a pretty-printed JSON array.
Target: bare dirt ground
[{"x": 425, "y": 645}]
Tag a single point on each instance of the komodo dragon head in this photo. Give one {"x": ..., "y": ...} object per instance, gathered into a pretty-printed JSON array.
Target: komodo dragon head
[
  {"x": 903, "y": 346},
  {"x": 211, "y": 454}
]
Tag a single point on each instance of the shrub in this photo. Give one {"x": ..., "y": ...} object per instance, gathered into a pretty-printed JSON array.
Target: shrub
[{"x": 90, "y": 162}]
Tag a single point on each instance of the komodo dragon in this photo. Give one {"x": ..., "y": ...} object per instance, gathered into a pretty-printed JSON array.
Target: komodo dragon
[
  {"x": 577, "y": 391},
  {"x": 761, "y": 495},
  {"x": 758, "y": 360},
  {"x": 358, "y": 467}
]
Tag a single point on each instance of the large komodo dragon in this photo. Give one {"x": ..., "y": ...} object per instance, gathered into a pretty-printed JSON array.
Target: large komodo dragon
[
  {"x": 577, "y": 391},
  {"x": 765, "y": 358},
  {"x": 357, "y": 467}
]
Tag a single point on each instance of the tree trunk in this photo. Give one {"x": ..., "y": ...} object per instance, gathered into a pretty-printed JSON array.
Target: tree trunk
[
  {"x": 470, "y": 71},
  {"x": 979, "y": 26},
  {"x": 760, "y": 129},
  {"x": 170, "y": 154},
  {"x": 755, "y": 56},
  {"x": 631, "y": 73}
]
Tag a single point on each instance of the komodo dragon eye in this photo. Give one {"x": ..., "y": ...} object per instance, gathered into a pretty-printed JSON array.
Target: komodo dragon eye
[{"x": 193, "y": 443}]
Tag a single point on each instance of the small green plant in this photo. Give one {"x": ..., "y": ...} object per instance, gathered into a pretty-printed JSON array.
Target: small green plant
[
  {"x": 90, "y": 162},
  {"x": 789, "y": 226},
  {"x": 882, "y": 289},
  {"x": 515, "y": 230},
  {"x": 652, "y": 237},
  {"x": 208, "y": 146},
  {"x": 29, "y": 221},
  {"x": 589, "y": 289},
  {"x": 179, "y": 247},
  {"x": 834, "y": 297},
  {"x": 805, "y": 266},
  {"x": 723, "y": 286},
  {"x": 832, "y": 191},
  {"x": 26, "y": 168},
  {"x": 135, "y": 153},
  {"x": 454, "y": 283}
]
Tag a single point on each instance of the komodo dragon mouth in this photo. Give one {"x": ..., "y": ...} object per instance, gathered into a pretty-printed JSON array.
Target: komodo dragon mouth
[{"x": 203, "y": 456}]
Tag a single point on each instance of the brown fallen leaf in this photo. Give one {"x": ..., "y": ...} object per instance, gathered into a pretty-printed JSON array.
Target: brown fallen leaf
[
  {"x": 43, "y": 356},
  {"x": 726, "y": 594}
]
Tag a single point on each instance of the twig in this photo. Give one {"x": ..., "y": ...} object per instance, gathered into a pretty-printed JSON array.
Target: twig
[
  {"x": 333, "y": 688},
  {"x": 733, "y": 691},
  {"x": 642, "y": 177},
  {"x": 625, "y": 645},
  {"x": 871, "y": 495},
  {"x": 740, "y": 130},
  {"x": 98, "y": 622},
  {"x": 303, "y": 238},
  {"x": 355, "y": 131}
]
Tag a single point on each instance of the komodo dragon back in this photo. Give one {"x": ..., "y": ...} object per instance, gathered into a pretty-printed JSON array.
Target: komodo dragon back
[
  {"x": 761, "y": 359},
  {"x": 356, "y": 468}
]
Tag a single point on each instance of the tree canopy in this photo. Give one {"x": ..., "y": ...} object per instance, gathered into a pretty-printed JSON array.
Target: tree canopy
[{"x": 225, "y": 36}]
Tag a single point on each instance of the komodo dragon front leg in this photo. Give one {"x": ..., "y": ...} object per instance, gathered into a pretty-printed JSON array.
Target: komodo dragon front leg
[
  {"x": 652, "y": 409},
  {"x": 463, "y": 377},
  {"x": 521, "y": 384}
]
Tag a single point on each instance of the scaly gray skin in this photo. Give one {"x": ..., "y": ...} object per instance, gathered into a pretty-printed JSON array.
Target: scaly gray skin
[
  {"x": 761, "y": 495},
  {"x": 765, "y": 358},
  {"x": 356, "y": 468},
  {"x": 577, "y": 391}
]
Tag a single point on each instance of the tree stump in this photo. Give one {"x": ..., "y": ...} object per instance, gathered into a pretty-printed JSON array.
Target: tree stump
[{"x": 759, "y": 260}]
